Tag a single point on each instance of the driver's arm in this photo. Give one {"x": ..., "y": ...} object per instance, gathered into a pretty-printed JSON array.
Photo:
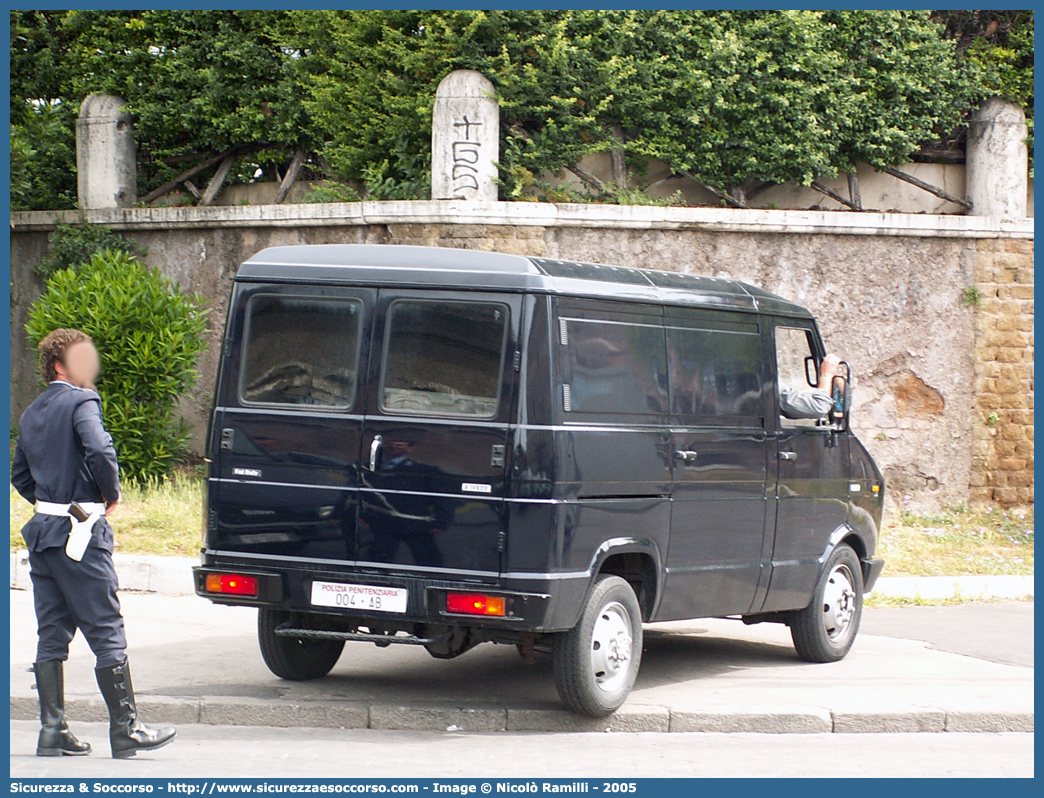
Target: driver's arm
[{"x": 795, "y": 403}]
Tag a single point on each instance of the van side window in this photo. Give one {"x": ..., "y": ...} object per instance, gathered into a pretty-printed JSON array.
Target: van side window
[
  {"x": 300, "y": 351},
  {"x": 444, "y": 358},
  {"x": 715, "y": 372},
  {"x": 613, "y": 367},
  {"x": 793, "y": 345}
]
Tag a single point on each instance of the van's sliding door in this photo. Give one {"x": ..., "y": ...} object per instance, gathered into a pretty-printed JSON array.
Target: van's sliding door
[{"x": 435, "y": 438}]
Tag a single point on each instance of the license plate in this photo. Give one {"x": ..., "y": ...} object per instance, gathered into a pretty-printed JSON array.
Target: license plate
[{"x": 373, "y": 598}]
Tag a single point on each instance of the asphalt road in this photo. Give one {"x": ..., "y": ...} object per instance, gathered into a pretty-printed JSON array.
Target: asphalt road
[
  {"x": 1000, "y": 632},
  {"x": 223, "y": 751}
]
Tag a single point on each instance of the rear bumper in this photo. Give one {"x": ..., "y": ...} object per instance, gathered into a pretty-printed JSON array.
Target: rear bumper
[
  {"x": 526, "y": 610},
  {"x": 871, "y": 570}
]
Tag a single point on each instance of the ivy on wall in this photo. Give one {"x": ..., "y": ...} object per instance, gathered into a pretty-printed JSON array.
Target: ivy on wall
[
  {"x": 998, "y": 46},
  {"x": 736, "y": 99}
]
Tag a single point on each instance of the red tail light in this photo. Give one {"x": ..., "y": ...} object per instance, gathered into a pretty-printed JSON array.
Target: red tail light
[
  {"x": 474, "y": 604},
  {"x": 232, "y": 584}
]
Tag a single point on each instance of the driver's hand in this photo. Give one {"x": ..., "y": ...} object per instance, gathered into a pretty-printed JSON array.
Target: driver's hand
[
  {"x": 827, "y": 370},
  {"x": 111, "y": 506}
]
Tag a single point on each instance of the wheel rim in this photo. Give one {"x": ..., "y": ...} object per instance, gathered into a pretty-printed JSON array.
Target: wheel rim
[
  {"x": 611, "y": 647},
  {"x": 839, "y": 603}
]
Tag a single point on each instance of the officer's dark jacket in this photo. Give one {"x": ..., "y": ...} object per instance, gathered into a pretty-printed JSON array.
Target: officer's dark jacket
[{"x": 64, "y": 454}]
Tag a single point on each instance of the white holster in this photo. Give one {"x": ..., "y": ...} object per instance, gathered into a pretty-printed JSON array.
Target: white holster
[{"x": 80, "y": 532}]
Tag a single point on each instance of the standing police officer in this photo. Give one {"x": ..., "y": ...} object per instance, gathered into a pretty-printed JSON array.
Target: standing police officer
[{"x": 66, "y": 466}]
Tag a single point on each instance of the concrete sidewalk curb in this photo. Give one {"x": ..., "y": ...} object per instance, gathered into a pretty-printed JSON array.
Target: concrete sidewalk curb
[
  {"x": 951, "y": 587},
  {"x": 633, "y": 718},
  {"x": 172, "y": 576},
  {"x": 148, "y": 573}
]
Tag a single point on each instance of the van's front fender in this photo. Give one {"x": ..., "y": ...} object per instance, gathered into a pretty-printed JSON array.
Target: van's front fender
[{"x": 863, "y": 545}]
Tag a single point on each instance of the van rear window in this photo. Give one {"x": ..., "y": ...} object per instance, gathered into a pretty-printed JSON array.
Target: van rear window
[
  {"x": 444, "y": 358},
  {"x": 300, "y": 351}
]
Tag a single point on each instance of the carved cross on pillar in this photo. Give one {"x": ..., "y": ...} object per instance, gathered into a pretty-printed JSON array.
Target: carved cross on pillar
[{"x": 465, "y": 138}]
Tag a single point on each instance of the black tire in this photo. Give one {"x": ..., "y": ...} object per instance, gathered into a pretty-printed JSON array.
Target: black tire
[
  {"x": 584, "y": 688},
  {"x": 820, "y": 631},
  {"x": 294, "y": 658}
]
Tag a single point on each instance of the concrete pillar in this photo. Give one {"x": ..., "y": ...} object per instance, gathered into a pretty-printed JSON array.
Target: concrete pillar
[
  {"x": 998, "y": 162},
  {"x": 106, "y": 157},
  {"x": 465, "y": 138}
]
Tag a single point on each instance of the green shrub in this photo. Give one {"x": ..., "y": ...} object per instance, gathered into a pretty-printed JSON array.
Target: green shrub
[
  {"x": 73, "y": 244},
  {"x": 22, "y": 154},
  {"x": 331, "y": 192},
  {"x": 149, "y": 334},
  {"x": 43, "y": 154}
]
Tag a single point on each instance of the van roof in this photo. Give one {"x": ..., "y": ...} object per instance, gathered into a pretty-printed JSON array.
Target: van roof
[{"x": 462, "y": 269}]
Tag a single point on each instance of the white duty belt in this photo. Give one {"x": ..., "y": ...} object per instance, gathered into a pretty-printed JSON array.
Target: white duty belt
[
  {"x": 58, "y": 508},
  {"x": 80, "y": 533}
]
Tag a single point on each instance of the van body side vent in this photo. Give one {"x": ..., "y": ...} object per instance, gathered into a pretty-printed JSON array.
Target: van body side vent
[
  {"x": 563, "y": 332},
  {"x": 567, "y": 397}
]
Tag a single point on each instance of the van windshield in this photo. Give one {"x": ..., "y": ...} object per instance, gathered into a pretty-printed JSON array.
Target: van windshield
[
  {"x": 444, "y": 358},
  {"x": 300, "y": 351}
]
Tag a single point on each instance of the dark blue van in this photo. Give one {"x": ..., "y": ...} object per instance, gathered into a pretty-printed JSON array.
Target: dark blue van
[{"x": 442, "y": 447}]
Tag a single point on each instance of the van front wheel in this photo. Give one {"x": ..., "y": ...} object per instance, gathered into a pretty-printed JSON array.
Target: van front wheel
[
  {"x": 294, "y": 658},
  {"x": 596, "y": 662},
  {"x": 826, "y": 629}
]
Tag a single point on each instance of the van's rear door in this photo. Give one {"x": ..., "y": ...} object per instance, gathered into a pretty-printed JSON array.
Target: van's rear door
[
  {"x": 289, "y": 422},
  {"x": 435, "y": 437}
]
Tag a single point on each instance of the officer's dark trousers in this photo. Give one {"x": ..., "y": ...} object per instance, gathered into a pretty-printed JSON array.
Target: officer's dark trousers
[{"x": 70, "y": 595}]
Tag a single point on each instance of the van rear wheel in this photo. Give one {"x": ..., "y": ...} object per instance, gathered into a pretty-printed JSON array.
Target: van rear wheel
[
  {"x": 826, "y": 629},
  {"x": 294, "y": 658},
  {"x": 596, "y": 662}
]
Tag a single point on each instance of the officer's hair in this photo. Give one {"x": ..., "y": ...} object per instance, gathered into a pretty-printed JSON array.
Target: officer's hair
[{"x": 53, "y": 348}]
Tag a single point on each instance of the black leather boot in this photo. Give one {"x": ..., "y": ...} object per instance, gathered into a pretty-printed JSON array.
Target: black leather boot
[
  {"x": 55, "y": 738},
  {"x": 127, "y": 734}
]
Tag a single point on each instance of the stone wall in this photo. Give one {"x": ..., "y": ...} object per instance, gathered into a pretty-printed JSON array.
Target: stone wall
[
  {"x": 890, "y": 292},
  {"x": 1002, "y": 424}
]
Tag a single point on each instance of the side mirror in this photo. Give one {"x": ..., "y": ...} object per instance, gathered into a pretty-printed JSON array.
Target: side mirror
[
  {"x": 841, "y": 396},
  {"x": 811, "y": 371}
]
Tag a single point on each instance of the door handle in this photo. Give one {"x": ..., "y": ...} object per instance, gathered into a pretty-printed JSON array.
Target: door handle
[
  {"x": 788, "y": 455},
  {"x": 686, "y": 456},
  {"x": 375, "y": 449}
]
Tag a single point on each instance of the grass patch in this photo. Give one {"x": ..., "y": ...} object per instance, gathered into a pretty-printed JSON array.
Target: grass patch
[
  {"x": 958, "y": 541},
  {"x": 159, "y": 517}
]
